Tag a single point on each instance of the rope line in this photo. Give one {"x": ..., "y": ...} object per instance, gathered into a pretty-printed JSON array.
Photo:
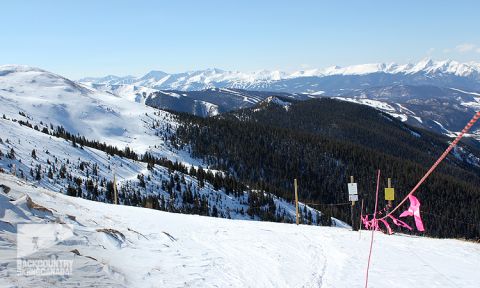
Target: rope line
[
  {"x": 330, "y": 204},
  {"x": 439, "y": 160}
]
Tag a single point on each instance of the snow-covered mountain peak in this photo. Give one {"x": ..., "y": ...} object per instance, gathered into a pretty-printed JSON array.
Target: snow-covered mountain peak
[
  {"x": 13, "y": 68},
  {"x": 213, "y": 71},
  {"x": 156, "y": 75},
  {"x": 273, "y": 100},
  {"x": 424, "y": 63},
  {"x": 426, "y": 66},
  {"x": 277, "y": 101}
]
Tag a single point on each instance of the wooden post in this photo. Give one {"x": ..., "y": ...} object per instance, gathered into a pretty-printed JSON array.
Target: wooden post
[
  {"x": 351, "y": 208},
  {"x": 389, "y": 185},
  {"x": 296, "y": 201},
  {"x": 360, "y": 223},
  {"x": 115, "y": 196},
  {"x": 149, "y": 203}
]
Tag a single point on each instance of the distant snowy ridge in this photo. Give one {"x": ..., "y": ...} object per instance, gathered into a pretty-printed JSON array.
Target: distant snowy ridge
[
  {"x": 426, "y": 66},
  {"x": 209, "y": 78}
]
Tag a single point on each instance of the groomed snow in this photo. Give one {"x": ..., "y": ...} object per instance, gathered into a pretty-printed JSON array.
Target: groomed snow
[{"x": 173, "y": 250}]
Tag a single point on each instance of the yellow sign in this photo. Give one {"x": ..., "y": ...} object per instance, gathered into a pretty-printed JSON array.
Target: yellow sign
[{"x": 389, "y": 194}]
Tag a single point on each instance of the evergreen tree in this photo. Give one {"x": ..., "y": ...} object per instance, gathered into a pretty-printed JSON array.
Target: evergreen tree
[
  {"x": 50, "y": 173},
  {"x": 11, "y": 154},
  {"x": 214, "y": 211}
]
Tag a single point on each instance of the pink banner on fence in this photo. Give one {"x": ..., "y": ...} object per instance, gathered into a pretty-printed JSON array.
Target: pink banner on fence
[{"x": 414, "y": 210}]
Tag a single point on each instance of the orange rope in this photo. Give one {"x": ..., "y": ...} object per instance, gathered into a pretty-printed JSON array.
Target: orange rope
[{"x": 439, "y": 160}]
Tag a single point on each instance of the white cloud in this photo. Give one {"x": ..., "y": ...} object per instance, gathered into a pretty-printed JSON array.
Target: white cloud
[
  {"x": 465, "y": 47},
  {"x": 477, "y": 50}
]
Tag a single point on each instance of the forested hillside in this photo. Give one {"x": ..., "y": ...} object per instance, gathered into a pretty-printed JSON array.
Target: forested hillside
[
  {"x": 323, "y": 142},
  {"x": 84, "y": 142}
]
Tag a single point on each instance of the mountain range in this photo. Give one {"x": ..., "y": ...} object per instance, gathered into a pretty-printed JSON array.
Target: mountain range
[
  {"x": 437, "y": 95},
  {"x": 330, "y": 80}
]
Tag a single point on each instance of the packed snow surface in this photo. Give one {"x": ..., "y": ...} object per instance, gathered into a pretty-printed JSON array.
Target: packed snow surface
[{"x": 120, "y": 246}]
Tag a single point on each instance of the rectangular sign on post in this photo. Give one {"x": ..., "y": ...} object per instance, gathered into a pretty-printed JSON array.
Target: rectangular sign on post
[
  {"x": 389, "y": 194},
  {"x": 352, "y": 197},
  {"x": 352, "y": 189}
]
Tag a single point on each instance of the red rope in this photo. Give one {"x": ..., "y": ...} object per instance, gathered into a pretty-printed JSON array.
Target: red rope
[
  {"x": 434, "y": 166},
  {"x": 373, "y": 230}
]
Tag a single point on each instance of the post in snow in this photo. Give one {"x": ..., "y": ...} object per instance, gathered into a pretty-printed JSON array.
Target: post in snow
[
  {"x": 296, "y": 201},
  {"x": 389, "y": 193},
  {"x": 353, "y": 197}
]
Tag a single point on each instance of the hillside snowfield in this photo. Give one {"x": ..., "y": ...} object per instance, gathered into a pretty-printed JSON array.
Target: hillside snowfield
[
  {"x": 50, "y": 98},
  {"x": 141, "y": 247}
]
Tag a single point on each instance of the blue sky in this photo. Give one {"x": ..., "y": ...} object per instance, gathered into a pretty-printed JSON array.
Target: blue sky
[{"x": 95, "y": 38}]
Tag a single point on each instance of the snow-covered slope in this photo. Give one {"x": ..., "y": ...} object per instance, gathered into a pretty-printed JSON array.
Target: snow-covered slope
[
  {"x": 120, "y": 246},
  {"x": 127, "y": 91},
  {"x": 52, "y": 99},
  {"x": 61, "y": 166}
]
